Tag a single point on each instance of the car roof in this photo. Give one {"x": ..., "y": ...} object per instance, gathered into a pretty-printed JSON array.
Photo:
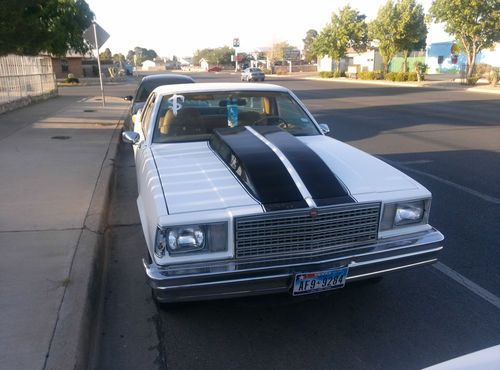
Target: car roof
[
  {"x": 166, "y": 77},
  {"x": 218, "y": 87}
]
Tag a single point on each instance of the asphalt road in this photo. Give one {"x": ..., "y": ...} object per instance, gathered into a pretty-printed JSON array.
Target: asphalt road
[{"x": 447, "y": 140}]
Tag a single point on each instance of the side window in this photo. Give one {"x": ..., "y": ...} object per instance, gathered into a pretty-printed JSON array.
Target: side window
[{"x": 146, "y": 116}]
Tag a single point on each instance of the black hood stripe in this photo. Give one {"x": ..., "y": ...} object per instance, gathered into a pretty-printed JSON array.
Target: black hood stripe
[
  {"x": 321, "y": 183},
  {"x": 290, "y": 168},
  {"x": 258, "y": 168}
]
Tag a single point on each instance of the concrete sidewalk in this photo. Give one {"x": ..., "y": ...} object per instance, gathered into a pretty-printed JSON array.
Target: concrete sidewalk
[{"x": 55, "y": 176}]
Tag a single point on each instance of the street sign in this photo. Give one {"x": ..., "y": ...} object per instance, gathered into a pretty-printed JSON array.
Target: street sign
[
  {"x": 292, "y": 54},
  {"x": 236, "y": 42},
  {"x": 101, "y": 35}
]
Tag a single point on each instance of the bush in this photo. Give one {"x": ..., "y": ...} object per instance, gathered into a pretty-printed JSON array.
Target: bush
[
  {"x": 494, "y": 76},
  {"x": 390, "y": 76},
  {"x": 413, "y": 76},
  {"x": 334, "y": 74},
  {"x": 267, "y": 71},
  {"x": 72, "y": 80},
  {"x": 373, "y": 75}
]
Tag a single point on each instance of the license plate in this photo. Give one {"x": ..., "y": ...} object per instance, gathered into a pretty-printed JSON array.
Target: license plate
[{"x": 312, "y": 282}]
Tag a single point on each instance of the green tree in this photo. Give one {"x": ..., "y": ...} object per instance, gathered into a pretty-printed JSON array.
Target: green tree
[
  {"x": 119, "y": 57},
  {"x": 309, "y": 52},
  {"x": 347, "y": 29},
  {"x": 411, "y": 28},
  {"x": 383, "y": 29},
  {"x": 474, "y": 23},
  {"x": 106, "y": 55},
  {"x": 28, "y": 27},
  {"x": 221, "y": 55}
]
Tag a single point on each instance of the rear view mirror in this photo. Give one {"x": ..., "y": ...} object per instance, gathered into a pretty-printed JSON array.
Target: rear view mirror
[
  {"x": 324, "y": 128},
  {"x": 128, "y": 98},
  {"x": 130, "y": 137}
]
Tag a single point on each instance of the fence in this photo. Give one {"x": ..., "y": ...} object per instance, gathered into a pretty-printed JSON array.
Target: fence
[{"x": 25, "y": 77}]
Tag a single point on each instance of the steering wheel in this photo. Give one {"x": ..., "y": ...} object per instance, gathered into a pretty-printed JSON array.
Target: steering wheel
[{"x": 279, "y": 121}]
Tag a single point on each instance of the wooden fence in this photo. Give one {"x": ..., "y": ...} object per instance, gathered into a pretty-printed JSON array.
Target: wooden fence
[{"x": 25, "y": 76}]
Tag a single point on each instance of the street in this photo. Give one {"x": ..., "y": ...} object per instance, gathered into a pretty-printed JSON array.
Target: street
[{"x": 449, "y": 141}]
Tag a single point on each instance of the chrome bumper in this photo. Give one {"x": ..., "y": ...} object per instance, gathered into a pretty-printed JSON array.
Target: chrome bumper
[{"x": 230, "y": 278}]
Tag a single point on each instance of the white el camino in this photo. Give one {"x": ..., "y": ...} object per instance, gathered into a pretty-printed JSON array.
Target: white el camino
[{"x": 241, "y": 193}]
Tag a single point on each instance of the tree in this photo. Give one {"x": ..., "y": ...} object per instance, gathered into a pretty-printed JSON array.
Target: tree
[
  {"x": 309, "y": 52},
  {"x": 347, "y": 29},
  {"x": 221, "y": 55},
  {"x": 119, "y": 57},
  {"x": 28, "y": 27},
  {"x": 383, "y": 29},
  {"x": 411, "y": 28},
  {"x": 278, "y": 50},
  {"x": 139, "y": 55},
  {"x": 106, "y": 55},
  {"x": 474, "y": 23}
]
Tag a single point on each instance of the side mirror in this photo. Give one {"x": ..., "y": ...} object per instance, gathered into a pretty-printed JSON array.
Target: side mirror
[
  {"x": 130, "y": 137},
  {"x": 128, "y": 98},
  {"x": 324, "y": 128}
]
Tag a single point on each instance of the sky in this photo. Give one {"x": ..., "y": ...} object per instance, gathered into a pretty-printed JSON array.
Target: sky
[{"x": 180, "y": 27}]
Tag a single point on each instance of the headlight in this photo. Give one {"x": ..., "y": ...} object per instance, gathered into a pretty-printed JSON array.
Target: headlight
[
  {"x": 405, "y": 213},
  {"x": 191, "y": 239}
]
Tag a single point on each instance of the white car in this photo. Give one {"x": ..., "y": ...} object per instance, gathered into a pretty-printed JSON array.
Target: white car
[{"x": 242, "y": 193}]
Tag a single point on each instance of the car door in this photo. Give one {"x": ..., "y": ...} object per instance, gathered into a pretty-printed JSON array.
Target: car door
[{"x": 142, "y": 151}]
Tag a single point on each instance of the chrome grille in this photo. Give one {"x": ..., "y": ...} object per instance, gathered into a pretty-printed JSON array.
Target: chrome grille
[{"x": 297, "y": 232}]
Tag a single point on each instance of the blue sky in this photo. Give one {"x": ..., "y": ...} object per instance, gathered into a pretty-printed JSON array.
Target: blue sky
[{"x": 180, "y": 27}]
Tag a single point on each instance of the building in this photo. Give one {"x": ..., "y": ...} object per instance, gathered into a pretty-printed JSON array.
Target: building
[
  {"x": 71, "y": 63},
  {"x": 367, "y": 61},
  {"x": 441, "y": 59}
]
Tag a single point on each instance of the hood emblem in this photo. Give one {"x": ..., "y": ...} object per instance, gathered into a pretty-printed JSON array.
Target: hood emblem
[{"x": 313, "y": 213}]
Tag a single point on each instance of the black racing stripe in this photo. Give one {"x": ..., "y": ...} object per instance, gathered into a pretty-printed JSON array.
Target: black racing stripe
[
  {"x": 258, "y": 167},
  {"x": 324, "y": 187}
]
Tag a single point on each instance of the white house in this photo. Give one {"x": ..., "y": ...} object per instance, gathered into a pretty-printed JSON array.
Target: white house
[
  {"x": 204, "y": 64},
  {"x": 368, "y": 61},
  {"x": 147, "y": 65}
]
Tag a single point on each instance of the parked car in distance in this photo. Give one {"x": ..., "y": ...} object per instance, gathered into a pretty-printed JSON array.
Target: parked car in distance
[
  {"x": 148, "y": 84},
  {"x": 252, "y": 74},
  {"x": 240, "y": 192}
]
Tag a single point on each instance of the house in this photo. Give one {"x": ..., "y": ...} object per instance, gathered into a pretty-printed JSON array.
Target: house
[
  {"x": 367, "y": 61},
  {"x": 70, "y": 63},
  {"x": 204, "y": 64},
  {"x": 440, "y": 58},
  {"x": 148, "y": 65}
]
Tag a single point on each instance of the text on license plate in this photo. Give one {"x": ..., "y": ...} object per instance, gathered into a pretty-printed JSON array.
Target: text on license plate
[{"x": 312, "y": 282}]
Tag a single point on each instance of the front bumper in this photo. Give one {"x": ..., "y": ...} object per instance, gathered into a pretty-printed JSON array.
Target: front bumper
[{"x": 230, "y": 278}]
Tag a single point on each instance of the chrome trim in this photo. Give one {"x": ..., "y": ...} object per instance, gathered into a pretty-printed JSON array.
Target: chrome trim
[
  {"x": 296, "y": 232},
  {"x": 291, "y": 170},
  {"x": 230, "y": 278}
]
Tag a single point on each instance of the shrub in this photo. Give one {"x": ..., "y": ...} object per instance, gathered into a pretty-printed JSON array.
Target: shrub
[
  {"x": 494, "y": 76},
  {"x": 267, "y": 71},
  {"x": 413, "y": 76},
  {"x": 473, "y": 80},
  {"x": 71, "y": 80},
  {"x": 401, "y": 76},
  {"x": 333, "y": 74},
  {"x": 390, "y": 76}
]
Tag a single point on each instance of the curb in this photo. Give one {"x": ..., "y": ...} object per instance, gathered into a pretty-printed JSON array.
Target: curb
[
  {"x": 76, "y": 325},
  {"x": 401, "y": 84}
]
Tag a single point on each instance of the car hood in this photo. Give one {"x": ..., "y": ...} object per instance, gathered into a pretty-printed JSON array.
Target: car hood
[{"x": 195, "y": 178}]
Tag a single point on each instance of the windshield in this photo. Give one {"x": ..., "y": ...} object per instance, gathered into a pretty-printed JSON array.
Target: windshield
[{"x": 193, "y": 117}]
